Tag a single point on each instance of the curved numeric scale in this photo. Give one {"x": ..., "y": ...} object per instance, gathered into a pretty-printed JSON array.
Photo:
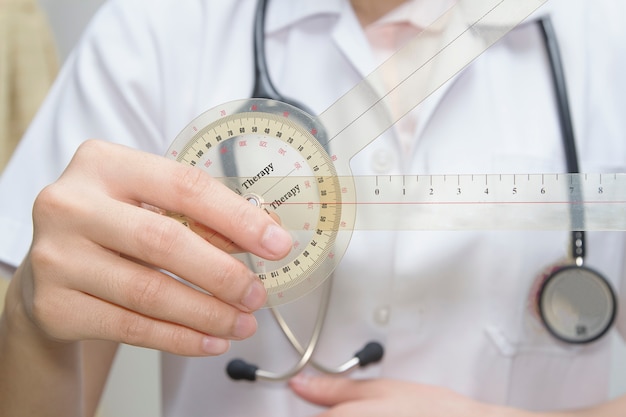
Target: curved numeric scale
[{"x": 258, "y": 140}]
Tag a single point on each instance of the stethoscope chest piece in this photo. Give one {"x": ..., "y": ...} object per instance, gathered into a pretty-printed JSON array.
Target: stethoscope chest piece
[{"x": 577, "y": 304}]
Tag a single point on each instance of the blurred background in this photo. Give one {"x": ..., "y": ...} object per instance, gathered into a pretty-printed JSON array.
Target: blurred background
[{"x": 133, "y": 389}]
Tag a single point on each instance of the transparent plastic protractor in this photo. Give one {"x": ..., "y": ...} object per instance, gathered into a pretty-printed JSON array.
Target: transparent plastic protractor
[{"x": 244, "y": 144}]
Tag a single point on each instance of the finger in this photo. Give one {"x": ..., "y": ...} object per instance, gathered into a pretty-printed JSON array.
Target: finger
[
  {"x": 82, "y": 265},
  {"x": 216, "y": 239},
  {"x": 104, "y": 321},
  {"x": 63, "y": 260},
  {"x": 161, "y": 241},
  {"x": 191, "y": 191},
  {"x": 329, "y": 391},
  {"x": 156, "y": 295}
]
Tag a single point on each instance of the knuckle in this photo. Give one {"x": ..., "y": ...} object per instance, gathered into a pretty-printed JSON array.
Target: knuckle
[
  {"x": 246, "y": 222},
  {"x": 134, "y": 329},
  {"x": 43, "y": 257},
  {"x": 179, "y": 339},
  {"x": 50, "y": 314},
  {"x": 219, "y": 321},
  {"x": 190, "y": 181},
  {"x": 47, "y": 263},
  {"x": 89, "y": 148},
  {"x": 89, "y": 153},
  {"x": 218, "y": 318},
  {"x": 50, "y": 200},
  {"x": 44, "y": 297},
  {"x": 145, "y": 293},
  {"x": 157, "y": 239},
  {"x": 58, "y": 205},
  {"x": 241, "y": 218},
  {"x": 41, "y": 311},
  {"x": 225, "y": 278}
]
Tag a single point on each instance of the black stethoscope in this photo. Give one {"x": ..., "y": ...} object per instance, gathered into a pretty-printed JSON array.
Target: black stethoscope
[{"x": 575, "y": 303}]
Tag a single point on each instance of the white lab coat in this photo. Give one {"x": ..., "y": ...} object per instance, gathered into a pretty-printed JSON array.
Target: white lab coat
[{"x": 451, "y": 308}]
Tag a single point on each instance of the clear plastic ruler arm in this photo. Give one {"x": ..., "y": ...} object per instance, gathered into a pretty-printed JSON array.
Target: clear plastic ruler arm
[
  {"x": 585, "y": 202},
  {"x": 275, "y": 156},
  {"x": 443, "y": 49}
]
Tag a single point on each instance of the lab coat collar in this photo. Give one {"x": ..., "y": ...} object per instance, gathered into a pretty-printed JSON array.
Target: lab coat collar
[
  {"x": 285, "y": 13},
  {"x": 419, "y": 13},
  {"x": 345, "y": 29},
  {"x": 282, "y": 14}
]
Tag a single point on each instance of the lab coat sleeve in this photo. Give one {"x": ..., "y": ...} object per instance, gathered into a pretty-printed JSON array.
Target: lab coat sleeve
[{"x": 109, "y": 89}]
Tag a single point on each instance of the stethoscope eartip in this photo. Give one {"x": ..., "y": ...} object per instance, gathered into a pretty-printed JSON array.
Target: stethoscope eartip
[
  {"x": 238, "y": 369},
  {"x": 371, "y": 353}
]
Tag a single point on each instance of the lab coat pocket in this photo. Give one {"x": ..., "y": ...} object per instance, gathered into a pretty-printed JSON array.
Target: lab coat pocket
[{"x": 547, "y": 374}]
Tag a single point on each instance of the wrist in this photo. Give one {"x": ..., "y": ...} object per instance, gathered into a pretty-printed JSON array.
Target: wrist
[
  {"x": 17, "y": 324},
  {"x": 36, "y": 372}
]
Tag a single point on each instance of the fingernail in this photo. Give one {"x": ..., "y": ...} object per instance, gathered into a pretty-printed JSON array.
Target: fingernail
[
  {"x": 215, "y": 346},
  {"x": 276, "y": 240},
  {"x": 245, "y": 326},
  {"x": 300, "y": 380},
  {"x": 256, "y": 296}
]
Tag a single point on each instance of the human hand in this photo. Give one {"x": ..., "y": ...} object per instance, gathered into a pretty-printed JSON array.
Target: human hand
[
  {"x": 347, "y": 397},
  {"x": 92, "y": 271}
]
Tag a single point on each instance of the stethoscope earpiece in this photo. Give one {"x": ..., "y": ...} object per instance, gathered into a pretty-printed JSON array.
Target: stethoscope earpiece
[{"x": 238, "y": 369}]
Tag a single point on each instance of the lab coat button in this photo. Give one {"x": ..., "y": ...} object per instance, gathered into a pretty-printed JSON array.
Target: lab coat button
[{"x": 381, "y": 315}]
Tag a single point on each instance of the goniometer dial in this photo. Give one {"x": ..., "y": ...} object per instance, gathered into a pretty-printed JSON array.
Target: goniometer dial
[{"x": 269, "y": 153}]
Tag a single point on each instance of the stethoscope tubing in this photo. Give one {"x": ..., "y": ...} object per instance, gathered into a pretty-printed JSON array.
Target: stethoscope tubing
[{"x": 373, "y": 351}]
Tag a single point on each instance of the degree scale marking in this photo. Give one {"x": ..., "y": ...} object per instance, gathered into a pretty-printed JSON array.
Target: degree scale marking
[{"x": 320, "y": 244}]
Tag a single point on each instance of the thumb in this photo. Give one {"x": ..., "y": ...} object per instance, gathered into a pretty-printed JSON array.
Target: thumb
[{"x": 325, "y": 390}]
